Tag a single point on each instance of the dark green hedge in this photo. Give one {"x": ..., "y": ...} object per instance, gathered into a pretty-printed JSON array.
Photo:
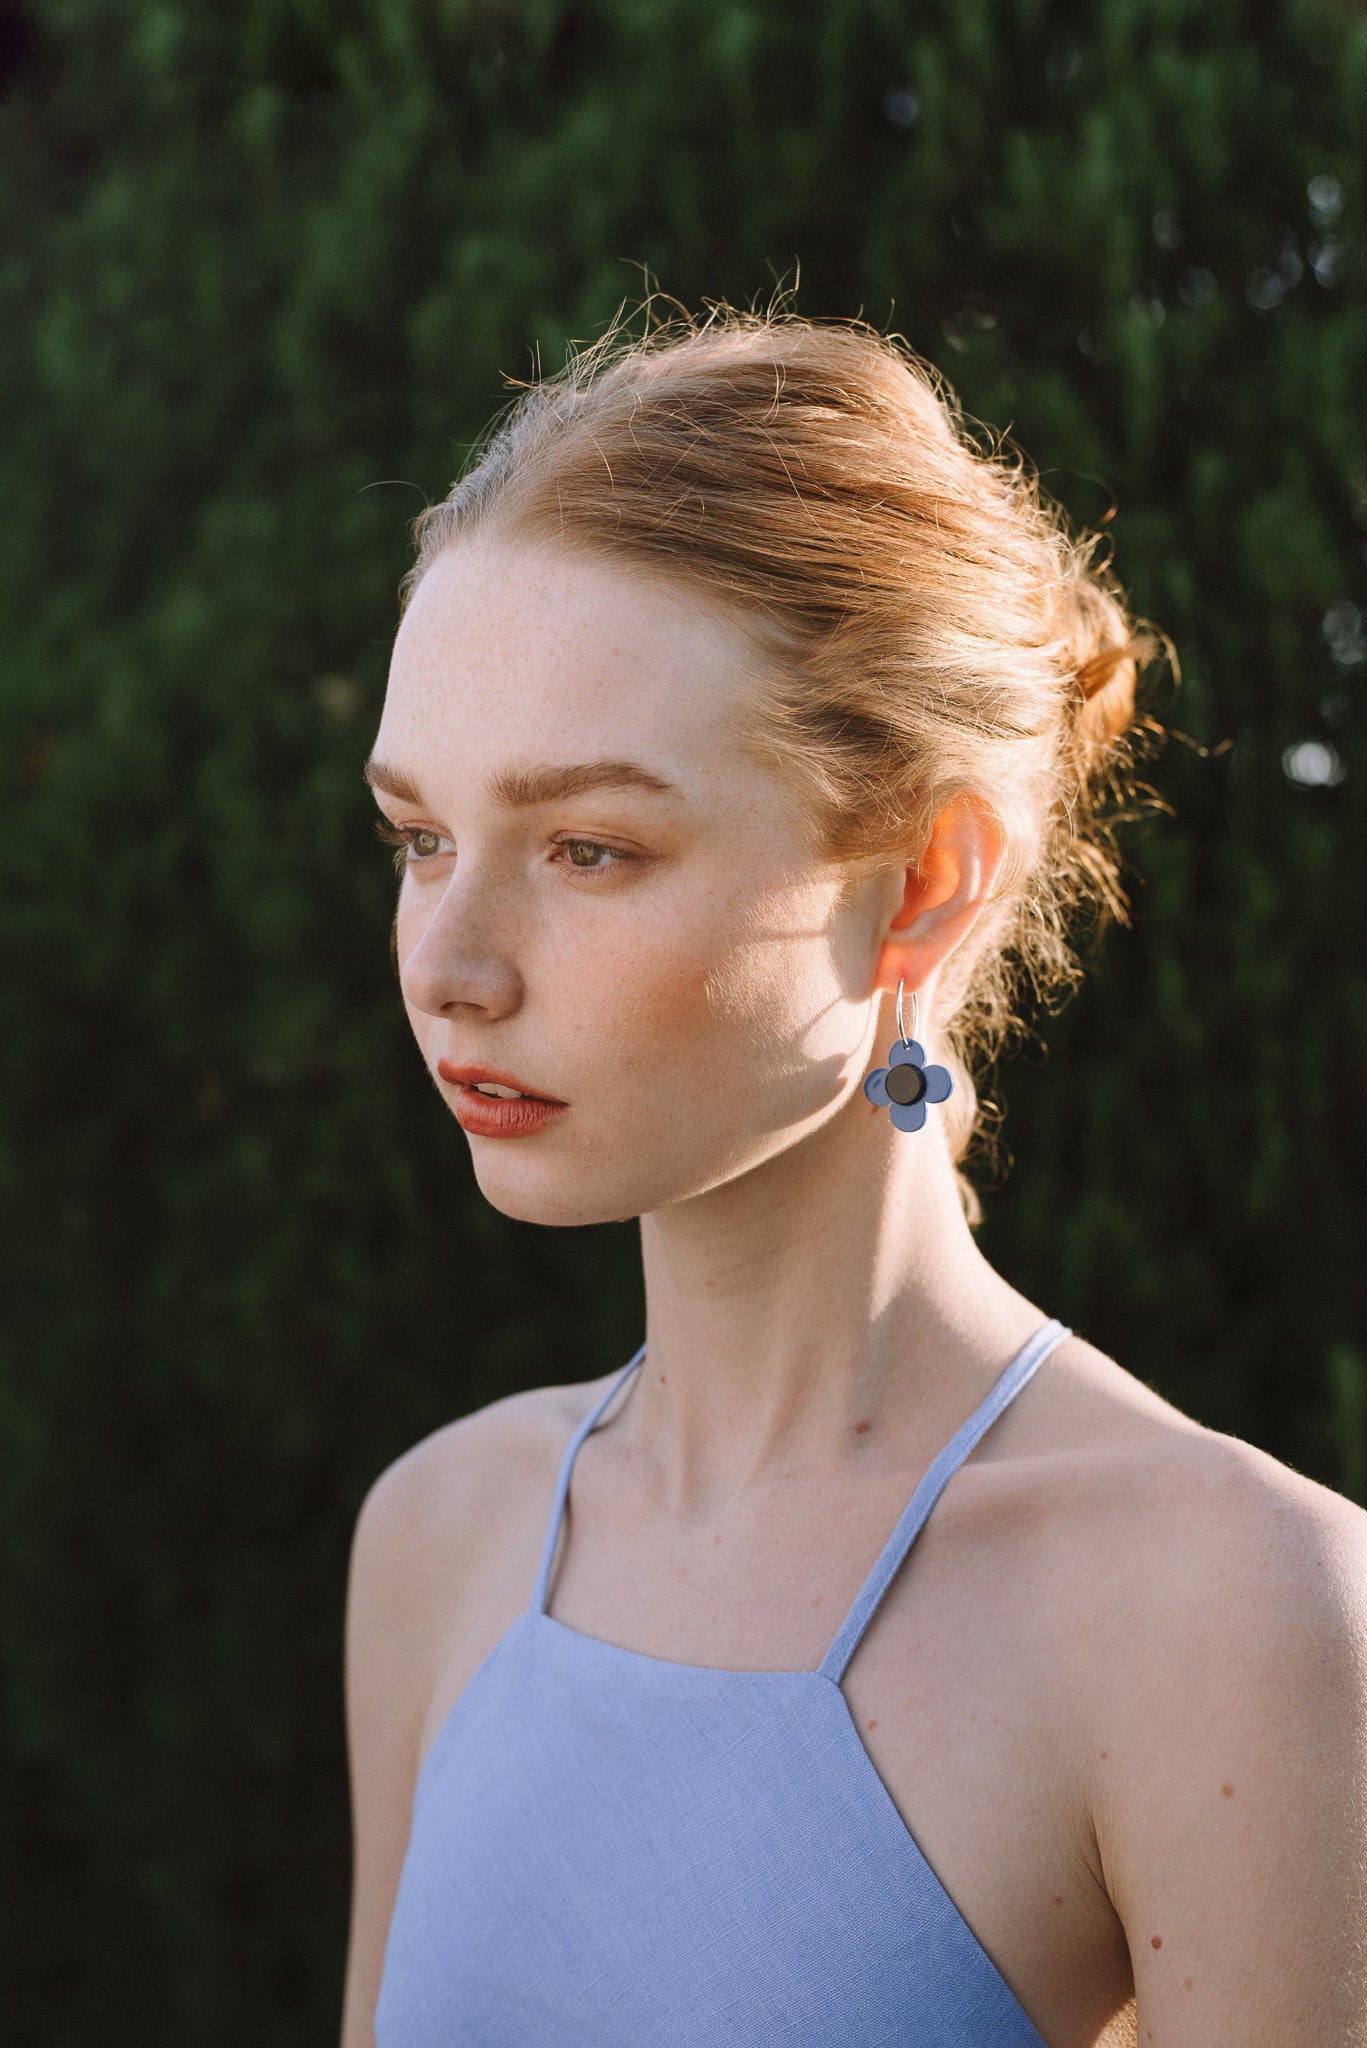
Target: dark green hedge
[{"x": 262, "y": 268}]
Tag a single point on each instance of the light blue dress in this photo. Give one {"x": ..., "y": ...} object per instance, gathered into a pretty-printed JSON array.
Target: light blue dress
[{"x": 611, "y": 1850}]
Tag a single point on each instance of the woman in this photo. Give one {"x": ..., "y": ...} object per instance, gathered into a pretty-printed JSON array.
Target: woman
[{"x": 870, "y": 1660}]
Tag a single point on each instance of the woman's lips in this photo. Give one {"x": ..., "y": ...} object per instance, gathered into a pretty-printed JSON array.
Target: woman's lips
[{"x": 495, "y": 1116}]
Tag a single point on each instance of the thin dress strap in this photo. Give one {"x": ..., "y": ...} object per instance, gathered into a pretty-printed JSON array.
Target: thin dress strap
[
  {"x": 937, "y": 1476},
  {"x": 562, "y": 1484}
]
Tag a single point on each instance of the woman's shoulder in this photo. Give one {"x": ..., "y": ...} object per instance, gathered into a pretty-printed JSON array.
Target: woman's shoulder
[
  {"x": 1195, "y": 1527},
  {"x": 453, "y": 1493},
  {"x": 1255, "y": 1569},
  {"x": 444, "y": 1556},
  {"x": 1186, "y": 1492},
  {"x": 1209, "y": 1604}
]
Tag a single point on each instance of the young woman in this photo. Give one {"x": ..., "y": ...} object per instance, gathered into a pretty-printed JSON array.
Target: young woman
[{"x": 870, "y": 1660}]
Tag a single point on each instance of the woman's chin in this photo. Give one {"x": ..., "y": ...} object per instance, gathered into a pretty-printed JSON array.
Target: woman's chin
[
  {"x": 566, "y": 1196},
  {"x": 558, "y": 1201}
]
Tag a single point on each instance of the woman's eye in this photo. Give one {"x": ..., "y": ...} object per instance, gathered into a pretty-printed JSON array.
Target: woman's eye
[
  {"x": 589, "y": 857},
  {"x": 414, "y": 844}
]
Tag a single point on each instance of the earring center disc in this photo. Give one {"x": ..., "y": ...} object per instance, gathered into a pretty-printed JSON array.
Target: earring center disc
[{"x": 905, "y": 1084}]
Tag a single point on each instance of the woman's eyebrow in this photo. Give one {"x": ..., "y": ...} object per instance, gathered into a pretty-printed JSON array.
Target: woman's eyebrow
[
  {"x": 518, "y": 788},
  {"x": 393, "y": 781}
]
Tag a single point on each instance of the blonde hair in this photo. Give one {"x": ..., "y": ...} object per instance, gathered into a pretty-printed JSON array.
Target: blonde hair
[{"x": 936, "y": 629}]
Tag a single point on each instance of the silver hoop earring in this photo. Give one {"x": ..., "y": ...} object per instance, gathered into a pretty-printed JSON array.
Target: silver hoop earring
[{"x": 906, "y": 1084}]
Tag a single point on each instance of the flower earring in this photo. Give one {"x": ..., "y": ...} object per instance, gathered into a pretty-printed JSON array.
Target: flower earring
[{"x": 906, "y": 1084}]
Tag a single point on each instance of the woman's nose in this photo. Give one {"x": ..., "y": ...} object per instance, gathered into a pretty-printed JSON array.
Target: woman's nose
[{"x": 453, "y": 963}]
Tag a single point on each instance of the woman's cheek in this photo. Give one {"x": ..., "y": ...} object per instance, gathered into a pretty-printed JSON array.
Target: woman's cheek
[{"x": 646, "y": 1013}]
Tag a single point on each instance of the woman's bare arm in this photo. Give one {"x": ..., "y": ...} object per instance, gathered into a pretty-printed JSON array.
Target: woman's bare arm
[{"x": 1232, "y": 1790}]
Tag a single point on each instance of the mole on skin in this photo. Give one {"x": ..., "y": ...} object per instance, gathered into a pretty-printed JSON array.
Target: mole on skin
[
  {"x": 1226, "y": 1791},
  {"x": 1155, "y": 1941},
  {"x": 860, "y": 1427}
]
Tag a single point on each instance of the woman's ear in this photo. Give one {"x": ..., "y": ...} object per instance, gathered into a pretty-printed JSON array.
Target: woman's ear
[{"x": 944, "y": 893}]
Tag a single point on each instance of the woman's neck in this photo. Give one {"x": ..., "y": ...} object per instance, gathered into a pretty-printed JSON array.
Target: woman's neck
[{"x": 830, "y": 1294}]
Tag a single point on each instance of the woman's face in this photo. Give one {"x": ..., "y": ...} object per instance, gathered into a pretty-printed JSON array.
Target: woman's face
[{"x": 606, "y": 899}]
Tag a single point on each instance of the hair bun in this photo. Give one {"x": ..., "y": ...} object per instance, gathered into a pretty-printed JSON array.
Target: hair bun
[{"x": 1102, "y": 656}]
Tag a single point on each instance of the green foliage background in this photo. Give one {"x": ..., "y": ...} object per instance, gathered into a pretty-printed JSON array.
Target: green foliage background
[{"x": 261, "y": 267}]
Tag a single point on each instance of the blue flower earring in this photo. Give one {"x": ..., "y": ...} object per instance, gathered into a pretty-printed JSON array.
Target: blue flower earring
[{"x": 906, "y": 1084}]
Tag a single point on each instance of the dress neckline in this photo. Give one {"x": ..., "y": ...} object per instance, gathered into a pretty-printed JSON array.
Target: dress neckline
[{"x": 1010, "y": 1382}]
